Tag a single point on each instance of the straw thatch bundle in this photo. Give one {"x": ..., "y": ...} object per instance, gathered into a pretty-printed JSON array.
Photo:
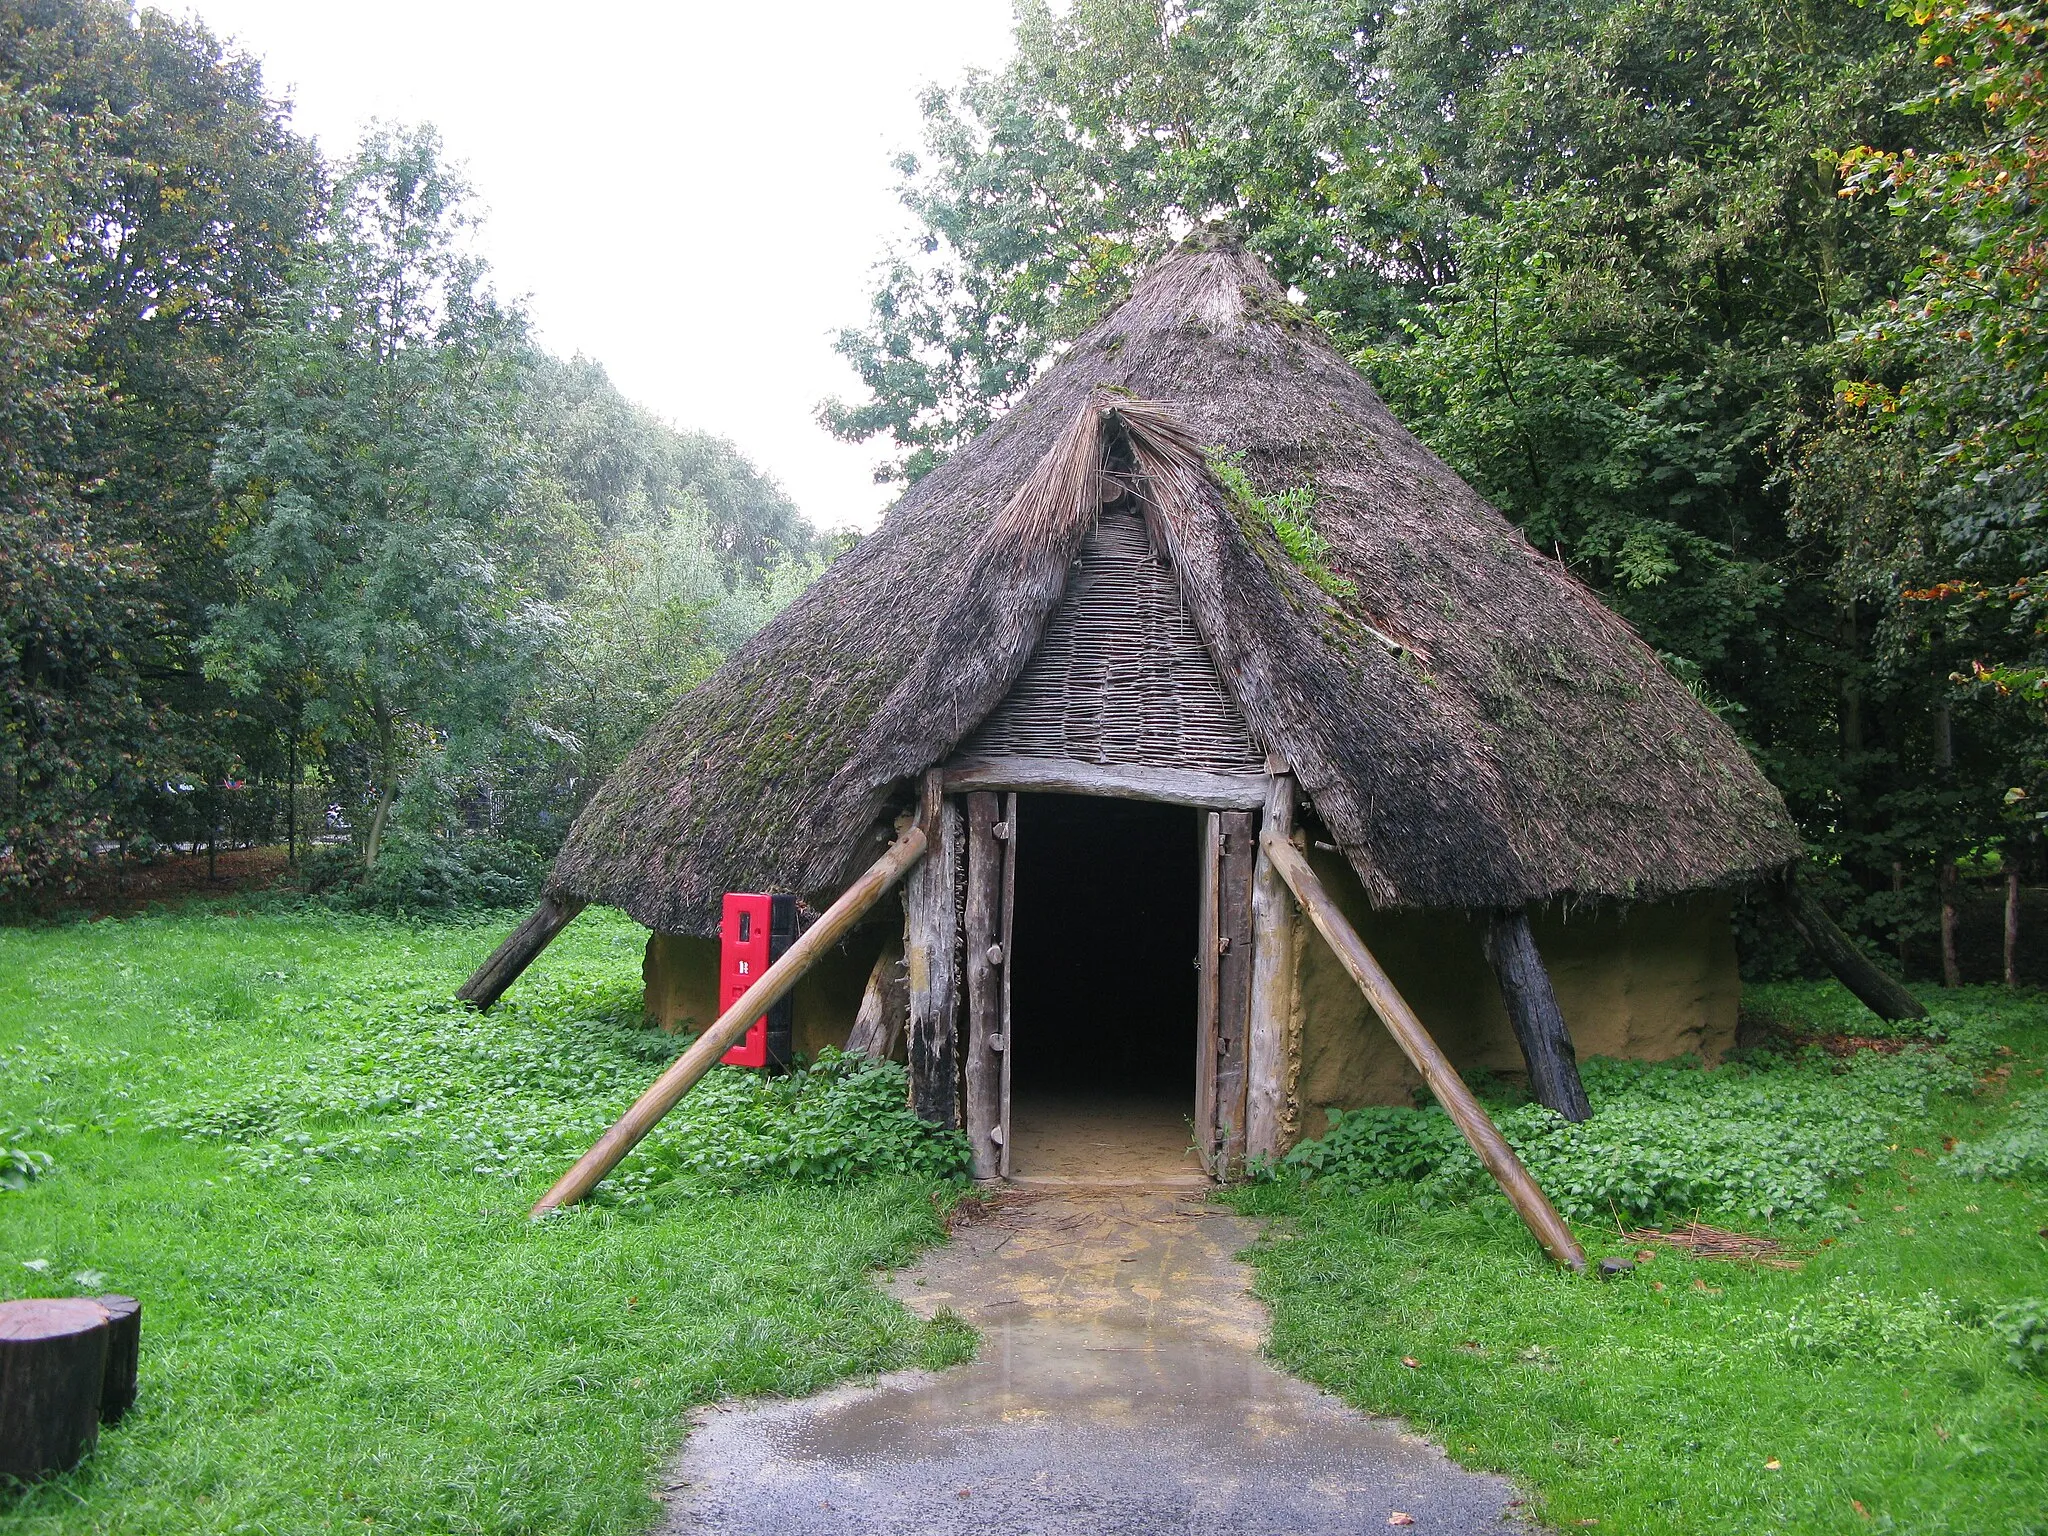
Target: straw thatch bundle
[{"x": 1470, "y": 724}]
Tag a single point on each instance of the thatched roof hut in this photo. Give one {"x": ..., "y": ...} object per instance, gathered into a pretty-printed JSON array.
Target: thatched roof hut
[{"x": 1199, "y": 550}]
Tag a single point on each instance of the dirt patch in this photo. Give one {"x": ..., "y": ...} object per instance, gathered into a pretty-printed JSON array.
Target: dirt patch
[{"x": 123, "y": 889}]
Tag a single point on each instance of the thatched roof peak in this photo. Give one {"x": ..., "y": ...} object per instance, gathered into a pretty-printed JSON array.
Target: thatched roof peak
[{"x": 1471, "y": 726}]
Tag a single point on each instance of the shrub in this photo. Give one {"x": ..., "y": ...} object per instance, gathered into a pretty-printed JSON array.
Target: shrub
[
  {"x": 1759, "y": 1140},
  {"x": 422, "y": 874},
  {"x": 2023, "y": 1329},
  {"x": 2018, "y": 1150},
  {"x": 1846, "y": 1322}
]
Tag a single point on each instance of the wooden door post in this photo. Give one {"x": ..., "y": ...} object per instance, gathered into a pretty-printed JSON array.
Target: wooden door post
[
  {"x": 985, "y": 962},
  {"x": 1272, "y": 982},
  {"x": 1532, "y": 1009},
  {"x": 931, "y": 948}
]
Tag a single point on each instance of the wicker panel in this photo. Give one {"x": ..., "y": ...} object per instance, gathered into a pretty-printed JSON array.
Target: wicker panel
[{"x": 1120, "y": 674}]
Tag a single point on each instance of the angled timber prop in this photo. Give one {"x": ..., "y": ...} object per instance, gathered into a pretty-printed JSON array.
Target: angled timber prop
[{"x": 1475, "y": 734}]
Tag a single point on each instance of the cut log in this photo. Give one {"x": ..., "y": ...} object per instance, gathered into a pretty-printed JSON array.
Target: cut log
[
  {"x": 1416, "y": 1044},
  {"x": 1273, "y": 927},
  {"x": 1532, "y": 1009},
  {"x": 53, "y": 1371},
  {"x": 833, "y": 925},
  {"x": 931, "y": 947},
  {"x": 984, "y": 952},
  {"x": 520, "y": 949},
  {"x": 884, "y": 1007},
  {"x": 1838, "y": 952},
  {"x": 124, "y": 1356}
]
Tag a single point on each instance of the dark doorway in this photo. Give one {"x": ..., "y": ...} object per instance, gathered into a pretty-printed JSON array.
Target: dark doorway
[{"x": 1103, "y": 982}]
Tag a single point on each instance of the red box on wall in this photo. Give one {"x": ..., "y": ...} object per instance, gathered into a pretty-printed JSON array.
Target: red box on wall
[{"x": 752, "y": 935}]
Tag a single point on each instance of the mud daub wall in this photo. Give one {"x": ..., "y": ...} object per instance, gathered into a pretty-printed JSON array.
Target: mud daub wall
[
  {"x": 681, "y": 974},
  {"x": 1651, "y": 981}
]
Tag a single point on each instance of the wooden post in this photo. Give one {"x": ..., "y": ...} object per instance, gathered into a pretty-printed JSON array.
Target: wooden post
[
  {"x": 931, "y": 948},
  {"x": 520, "y": 949},
  {"x": 2012, "y": 926},
  {"x": 1538, "y": 1021},
  {"x": 1271, "y": 983},
  {"x": 1951, "y": 970},
  {"x": 53, "y": 1370},
  {"x": 1879, "y": 993},
  {"x": 774, "y": 985},
  {"x": 884, "y": 1006},
  {"x": 1208, "y": 950},
  {"x": 1237, "y": 949},
  {"x": 1008, "y": 831},
  {"x": 1484, "y": 1136},
  {"x": 984, "y": 949}
]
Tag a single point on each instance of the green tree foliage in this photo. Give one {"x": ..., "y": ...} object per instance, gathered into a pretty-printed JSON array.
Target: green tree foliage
[
  {"x": 391, "y": 562},
  {"x": 74, "y": 604},
  {"x": 1598, "y": 256}
]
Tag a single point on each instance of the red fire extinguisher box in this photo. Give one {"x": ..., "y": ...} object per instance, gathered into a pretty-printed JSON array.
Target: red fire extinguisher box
[{"x": 754, "y": 932}]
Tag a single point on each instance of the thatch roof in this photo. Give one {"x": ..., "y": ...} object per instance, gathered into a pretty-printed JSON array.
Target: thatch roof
[{"x": 1469, "y": 723}]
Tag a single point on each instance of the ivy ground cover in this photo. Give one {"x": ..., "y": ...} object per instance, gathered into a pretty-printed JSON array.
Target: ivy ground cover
[
  {"x": 1895, "y": 1380},
  {"x": 274, "y": 1129}
]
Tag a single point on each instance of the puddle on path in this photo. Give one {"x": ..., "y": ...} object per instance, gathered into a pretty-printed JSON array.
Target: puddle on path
[{"x": 1119, "y": 1390}]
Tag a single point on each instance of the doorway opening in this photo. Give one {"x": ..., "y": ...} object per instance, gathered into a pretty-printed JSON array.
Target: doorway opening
[{"x": 1103, "y": 989}]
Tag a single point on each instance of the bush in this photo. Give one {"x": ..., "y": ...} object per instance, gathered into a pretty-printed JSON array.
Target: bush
[
  {"x": 418, "y": 873},
  {"x": 2023, "y": 1329},
  {"x": 1761, "y": 1140},
  {"x": 2018, "y": 1150}
]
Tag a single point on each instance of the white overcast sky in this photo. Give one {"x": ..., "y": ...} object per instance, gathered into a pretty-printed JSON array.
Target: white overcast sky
[{"x": 693, "y": 194}]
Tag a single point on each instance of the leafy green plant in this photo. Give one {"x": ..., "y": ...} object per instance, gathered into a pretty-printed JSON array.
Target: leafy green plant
[
  {"x": 19, "y": 1164},
  {"x": 2017, "y": 1150},
  {"x": 1760, "y": 1140},
  {"x": 1846, "y": 1320},
  {"x": 1291, "y": 517},
  {"x": 2023, "y": 1329}
]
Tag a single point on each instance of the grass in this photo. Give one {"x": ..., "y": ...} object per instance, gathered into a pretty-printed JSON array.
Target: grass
[
  {"x": 1863, "y": 1391},
  {"x": 270, "y": 1128}
]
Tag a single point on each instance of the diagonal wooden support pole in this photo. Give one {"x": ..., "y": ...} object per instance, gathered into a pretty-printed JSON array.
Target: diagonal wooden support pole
[
  {"x": 1494, "y": 1152},
  {"x": 521, "y": 948},
  {"x": 704, "y": 1052}
]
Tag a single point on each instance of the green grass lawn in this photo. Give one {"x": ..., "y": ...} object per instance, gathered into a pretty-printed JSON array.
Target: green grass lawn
[
  {"x": 272, "y": 1129},
  {"x": 1862, "y": 1391}
]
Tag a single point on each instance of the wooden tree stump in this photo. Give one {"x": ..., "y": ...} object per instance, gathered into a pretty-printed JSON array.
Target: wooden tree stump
[
  {"x": 124, "y": 1351},
  {"x": 53, "y": 1369}
]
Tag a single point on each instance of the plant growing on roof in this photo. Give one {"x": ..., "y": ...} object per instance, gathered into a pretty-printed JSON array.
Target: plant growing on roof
[{"x": 1290, "y": 515}]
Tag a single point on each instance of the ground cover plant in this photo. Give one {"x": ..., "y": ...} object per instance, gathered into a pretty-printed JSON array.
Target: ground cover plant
[
  {"x": 1888, "y": 1370},
  {"x": 274, "y": 1128}
]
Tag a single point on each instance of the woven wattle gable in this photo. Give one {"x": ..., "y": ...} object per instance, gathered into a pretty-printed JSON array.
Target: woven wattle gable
[{"x": 1120, "y": 674}]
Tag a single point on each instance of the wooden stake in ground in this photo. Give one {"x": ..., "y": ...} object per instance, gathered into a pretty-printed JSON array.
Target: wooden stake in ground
[
  {"x": 932, "y": 951},
  {"x": 53, "y": 1369},
  {"x": 520, "y": 949},
  {"x": 775, "y": 983},
  {"x": 1880, "y": 994},
  {"x": 2012, "y": 926},
  {"x": 1484, "y": 1136},
  {"x": 1532, "y": 1009}
]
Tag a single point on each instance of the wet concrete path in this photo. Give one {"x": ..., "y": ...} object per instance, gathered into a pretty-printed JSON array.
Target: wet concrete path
[{"x": 1119, "y": 1390}]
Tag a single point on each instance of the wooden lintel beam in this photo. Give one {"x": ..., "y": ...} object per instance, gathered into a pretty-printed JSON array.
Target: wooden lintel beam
[
  {"x": 1416, "y": 1043},
  {"x": 1116, "y": 781}
]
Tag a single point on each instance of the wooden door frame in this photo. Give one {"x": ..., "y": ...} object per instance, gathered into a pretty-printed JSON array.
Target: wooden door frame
[{"x": 1245, "y": 949}]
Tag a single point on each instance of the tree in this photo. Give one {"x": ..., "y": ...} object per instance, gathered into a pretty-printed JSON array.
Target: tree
[
  {"x": 74, "y": 606},
  {"x": 388, "y": 549}
]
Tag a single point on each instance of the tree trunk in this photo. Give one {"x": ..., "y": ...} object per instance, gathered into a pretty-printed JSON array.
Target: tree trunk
[
  {"x": 53, "y": 1368},
  {"x": 2012, "y": 927},
  {"x": 377, "y": 817},
  {"x": 124, "y": 1357},
  {"x": 1538, "y": 1021},
  {"x": 291, "y": 803},
  {"x": 1951, "y": 971},
  {"x": 1879, "y": 993}
]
